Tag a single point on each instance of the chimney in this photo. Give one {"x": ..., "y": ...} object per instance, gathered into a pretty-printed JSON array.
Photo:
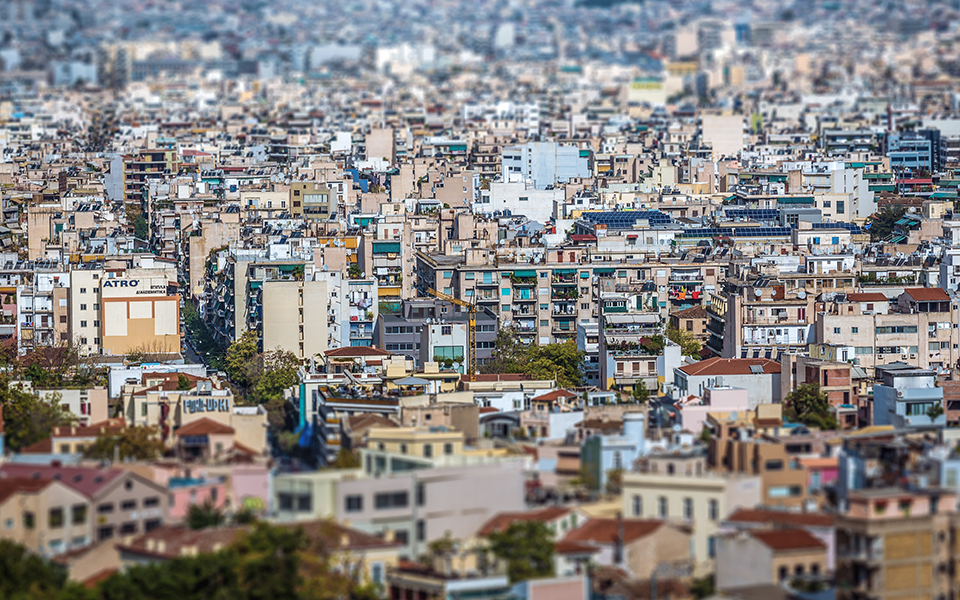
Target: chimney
[
  {"x": 618, "y": 548},
  {"x": 388, "y": 536}
]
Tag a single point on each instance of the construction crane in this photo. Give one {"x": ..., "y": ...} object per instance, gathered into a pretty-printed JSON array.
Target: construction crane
[{"x": 471, "y": 329}]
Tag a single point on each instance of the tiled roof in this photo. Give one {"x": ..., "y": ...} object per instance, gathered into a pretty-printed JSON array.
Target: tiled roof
[
  {"x": 9, "y": 487},
  {"x": 788, "y": 539},
  {"x": 694, "y": 312},
  {"x": 604, "y": 531},
  {"x": 554, "y": 396},
  {"x": 928, "y": 294},
  {"x": 86, "y": 480},
  {"x": 502, "y": 521},
  {"x": 867, "y": 297},
  {"x": 781, "y": 517},
  {"x": 571, "y": 547},
  {"x": 204, "y": 426},
  {"x": 730, "y": 366}
]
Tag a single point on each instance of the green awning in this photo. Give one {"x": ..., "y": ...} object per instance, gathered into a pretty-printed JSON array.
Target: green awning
[
  {"x": 882, "y": 188},
  {"x": 796, "y": 200},
  {"x": 584, "y": 274},
  {"x": 564, "y": 271},
  {"x": 525, "y": 273},
  {"x": 604, "y": 271},
  {"x": 386, "y": 247}
]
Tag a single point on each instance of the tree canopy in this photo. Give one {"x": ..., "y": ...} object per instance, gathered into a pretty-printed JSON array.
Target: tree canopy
[
  {"x": 883, "y": 222},
  {"x": 809, "y": 406},
  {"x": 527, "y": 547},
  {"x": 28, "y": 418},
  {"x": 261, "y": 377},
  {"x": 139, "y": 442},
  {"x": 563, "y": 362},
  {"x": 689, "y": 345}
]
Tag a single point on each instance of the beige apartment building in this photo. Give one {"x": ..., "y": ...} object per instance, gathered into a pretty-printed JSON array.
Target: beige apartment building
[
  {"x": 45, "y": 515},
  {"x": 702, "y": 499},
  {"x": 918, "y": 328},
  {"x": 290, "y": 319}
]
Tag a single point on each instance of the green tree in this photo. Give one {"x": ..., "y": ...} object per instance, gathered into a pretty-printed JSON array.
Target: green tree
[
  {"x": 204, "y": 516},
  {"x": 703, "y": 587},
  {"x": 614, "y": 482},
  {"x": 509, "y": 352},
  {"x": 138, "y": 442},
  {"x": 242, "y": 362},
  {"x": 689, "y": 345},
  {"x": 563, "y": 362},
  {"x": 640, "y": 393},
  {"x": 883, "y": 223},
  {"x": 935, "y": 411},
  {"x": 141, "y": 229},
  {"x": 25, "y": 576},
  {"x": 183, "y": 382},
  {"x": 527, "y": 548},
  {"x": 346, "y": 460},
  {"x": 269, "y": 561},
  {"x": 28, "y": 418},
  {"x": 809, "y": 406},
  {"x": 276, "y": 371}
]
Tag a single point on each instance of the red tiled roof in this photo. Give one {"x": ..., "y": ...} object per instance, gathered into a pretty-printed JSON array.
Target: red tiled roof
[
  {"x": 928, "y": 294},
  {"x": 781, "y": 517},
  {"x": 604, "y": 531},
  {"x": 554, "y": 396},
  {"x": 204, "y": 426},
  {"x": 502, "y": 521},
  {"x": 583, "y": 237},
  {"x": 44, "y": 446},
  {"x": 788, "y": 539},
  {"x": 867, "y": 297},
  {"x": 86, "y": 480},
  {"x": 350, "y": 351},
  {"x": 9, "y": 487},
  {"x": 571, "y": 547},
  {"x": 487, "y": 409},
  {"x": 730, "y": 366},
  {"x": 694, "y": 312},
  {"x": 98, "y": 577}
]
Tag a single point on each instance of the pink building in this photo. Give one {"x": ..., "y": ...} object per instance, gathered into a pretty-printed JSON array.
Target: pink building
[
  {"x": 693, "y": 411},
  {"x": 185, "y": 492}
]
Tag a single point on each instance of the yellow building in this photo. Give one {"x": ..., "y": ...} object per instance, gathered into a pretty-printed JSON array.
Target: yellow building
[{"x": 139, "y": 314}]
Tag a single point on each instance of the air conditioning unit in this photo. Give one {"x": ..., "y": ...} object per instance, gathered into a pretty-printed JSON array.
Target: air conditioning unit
[
  {"x": 903, "y": 356},
  {"x": 913, "y": 356}
]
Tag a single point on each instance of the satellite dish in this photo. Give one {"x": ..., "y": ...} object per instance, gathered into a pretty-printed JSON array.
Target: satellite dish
[
  {"x": 758, "y": 292},
  {"x": 801, "y": 294},
  {"x": 677, "y": 428},
  {"x": 733, "y": 415}
]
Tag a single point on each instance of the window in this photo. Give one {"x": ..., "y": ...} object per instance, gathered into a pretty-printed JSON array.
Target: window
[
  {"x": 29, "y": 520},
  {"x": 637, "y": 506},
  {"x": 56, "y": 518},
  {"x": 687, "y": 509},
  {"x": 713, "y": 510},
  {"x": 353, "y": 503},
  {"x": 897, "y": 329},
  {"x": 421, "y": 494},
  {"x": 662, "y": 507},
  {"x": 836, "y": 330},
  {"x": 773, "y": 465},
  {"x": 151, "y": 502},
  {"x": 78, "y": 514},
  {"x": 854, "y": 330},
  {"x": 83, "y": 323},
  {"x": 105, "y": 508},
  {"x": 448, "y": 448},
  {"x": 421, "y": 530},
  {"x": 446, "y": 330},
  {"x": 128, "y": 528},
  {"x": 83, "y": 307},
  {"x": 128, "y": 505},
  {"x": 782, "y": 574},
  {"x": 711, "y": 547},
  {"x": 8, "y": 524},
  {"x": 152, "y": 524},
  {"x": 83, "y": 290},
  {"x": 105, "y": 533},
  {"x": 376, "y": 573},
  {"x": 402, "y": 536},
  {"x": 403, "y": 448},
  {"x": 387, "y": 500}
]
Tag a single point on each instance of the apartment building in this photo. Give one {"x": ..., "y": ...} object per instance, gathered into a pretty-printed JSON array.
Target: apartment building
[
  {"x": 905, "y": 397},
  {"x": 118, "y": 503},
  {"x": 45, "y": 515},
  {"x": 145, "y": 165},
  {"x": 919, "y": 328},
  {"x": 703, "y": 499}
]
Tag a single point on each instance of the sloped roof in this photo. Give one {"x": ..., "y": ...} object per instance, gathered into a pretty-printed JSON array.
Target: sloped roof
[
  {"x": 694, "y": 312},
  {"x": 502, "y": 521},
  {"x": 867, "y": 297},
  {"x": 87, "y": 480},
  {"x": 554, "y": 396},
  {"x": 604, "y": 531},
  {"x": 204, "y": 426},
  {"x": 788, "y": 539},
  {"x": 928, "y": 294},
  {"x": 781, "y": 517},
  {"x": 9, "y": 487},
  {"x": 730, "y": 366}
]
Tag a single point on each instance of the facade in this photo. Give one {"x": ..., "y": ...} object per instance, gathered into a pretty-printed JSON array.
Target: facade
[
  {"x": 906, "y": 398},
  {"x": 750, "y": 558},
  {"x": 543, "y": 164}
]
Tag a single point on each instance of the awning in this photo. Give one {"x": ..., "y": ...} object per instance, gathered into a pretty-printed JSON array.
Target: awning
[
  {"x": 525, "y": 273},
  {"x": 411, "y": 381}
]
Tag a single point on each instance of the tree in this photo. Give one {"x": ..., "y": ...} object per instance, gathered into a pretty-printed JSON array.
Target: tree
[
  {"x": 614, "y": 482},
  {"x": 640, "y": 393},
  {"x": 883, "y": 223},
  {"x": 563, "y": 362},
  {"x": 346, "y": 460},
  {"x": 28, "y": 418},
  {"x": 204, "y": 516},
  {"x": 527, "y": 547},
  {"x": 703, "y": 587},
  {"x": 25, "y": 576},
  {"x": 141, "y": 229},
  {"x": 689, "y": 345},
  {"x": 139, "y": 442},
  {"x": 241, "y": 362},
  {"x": 935, "y": 411},
  {"x": 269, "y": 561},
  {"x": 183, "y": 382},
  {"x": 809, "y": 406}
]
